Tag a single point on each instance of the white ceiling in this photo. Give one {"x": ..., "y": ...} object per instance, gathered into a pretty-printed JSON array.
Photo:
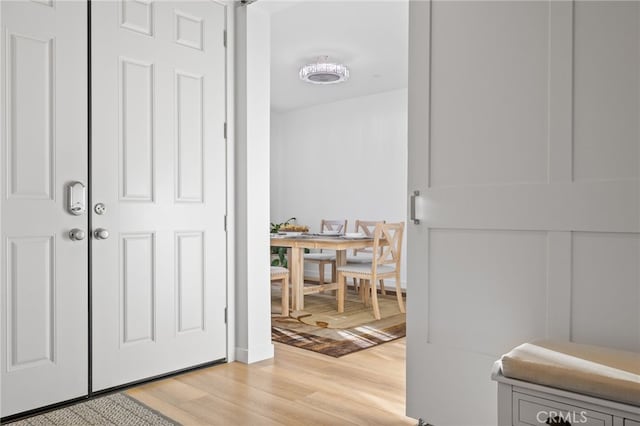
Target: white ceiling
[{"x": 370, "y": 37}]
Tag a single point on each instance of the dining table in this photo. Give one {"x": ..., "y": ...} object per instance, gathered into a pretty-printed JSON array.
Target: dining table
[{"x": 296, "y": 246}]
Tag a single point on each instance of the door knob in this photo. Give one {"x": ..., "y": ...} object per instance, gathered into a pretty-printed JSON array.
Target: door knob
[
  {"x": 77, "y": 234},
  {"x": 101, "y": 234}
]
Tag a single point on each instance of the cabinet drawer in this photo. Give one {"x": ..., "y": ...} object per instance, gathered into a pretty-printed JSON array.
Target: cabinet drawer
[
  {"x": 629, "y": 422},
  {"x": 531, "y": 410}
]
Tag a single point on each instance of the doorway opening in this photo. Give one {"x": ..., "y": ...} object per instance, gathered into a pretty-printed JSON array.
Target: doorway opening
[{"x": 338, "y": 151}]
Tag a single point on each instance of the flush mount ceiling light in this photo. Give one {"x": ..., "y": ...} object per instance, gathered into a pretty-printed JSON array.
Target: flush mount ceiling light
[{"x": 324, "y": 72}]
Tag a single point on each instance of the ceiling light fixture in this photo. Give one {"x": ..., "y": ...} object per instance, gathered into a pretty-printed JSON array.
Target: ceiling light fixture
[{"x": 324, "y": 72}]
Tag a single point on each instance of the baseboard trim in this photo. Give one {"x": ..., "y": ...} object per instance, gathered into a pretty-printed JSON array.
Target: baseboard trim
[{"x": 249, "y": 356}]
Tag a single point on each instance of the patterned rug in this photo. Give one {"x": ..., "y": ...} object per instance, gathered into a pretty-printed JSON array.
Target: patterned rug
[
  {"x": 115, "y": 409},
  {"x": 321, "y": 329}
]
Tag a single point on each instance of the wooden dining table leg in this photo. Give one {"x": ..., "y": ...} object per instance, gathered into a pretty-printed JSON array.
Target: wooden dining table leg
[
  {"x": 296, "y": 269},
  {"x": 292, "y": 295},
  {"x": 341, "y": 260}
]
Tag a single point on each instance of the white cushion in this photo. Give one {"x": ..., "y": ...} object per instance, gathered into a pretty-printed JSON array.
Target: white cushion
[
  {"x": 365, "y": 268},
  {"x": 278, "y": 270},
  {"x": 320, "y": 256},
  {"x": 602, "y": 372},
  {"x": 361, "y": 258}
]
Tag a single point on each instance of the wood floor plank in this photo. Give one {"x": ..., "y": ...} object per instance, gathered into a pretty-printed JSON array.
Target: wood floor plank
[
  {"x": 266, "y": 381},
  {"x": 297, "y": 387},
  {"x": 174, "y": 392},
  {"x": 360, "y": 412},
  {"x": 215, "y": 411},
  {"x": 249, "y": 398},
  {"x": 173, "y": 412}
]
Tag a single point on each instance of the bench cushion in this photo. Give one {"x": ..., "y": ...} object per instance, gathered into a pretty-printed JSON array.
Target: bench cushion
[{"x": 590, "y": 370}]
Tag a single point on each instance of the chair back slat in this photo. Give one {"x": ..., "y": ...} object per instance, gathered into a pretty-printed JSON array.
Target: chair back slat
[
  {"x": 391, "y": 251},
  {"x": 333, "y": 225},
  {"x": 367, "y": 227},
  {"x": 339, "y": 226}
]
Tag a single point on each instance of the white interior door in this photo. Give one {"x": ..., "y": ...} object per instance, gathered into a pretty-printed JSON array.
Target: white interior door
[
  {"x": 525, "y": 145},
  {"x": 158, "y": 166},
  {"x": 44, "y": 275}
]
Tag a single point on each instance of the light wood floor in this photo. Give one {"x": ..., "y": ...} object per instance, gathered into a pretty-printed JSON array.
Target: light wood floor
[{"x": 298, "y": 387}]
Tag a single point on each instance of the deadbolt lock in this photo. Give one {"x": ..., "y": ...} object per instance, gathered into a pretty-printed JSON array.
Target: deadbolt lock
[
  {"x": 100, "y": 208},
  {"x": 76, "y": 198}
]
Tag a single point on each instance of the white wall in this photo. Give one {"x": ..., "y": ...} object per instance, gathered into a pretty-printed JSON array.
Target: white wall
[
  {"x": 341, "y": 160},
  {"x": 251, "y": 195}
]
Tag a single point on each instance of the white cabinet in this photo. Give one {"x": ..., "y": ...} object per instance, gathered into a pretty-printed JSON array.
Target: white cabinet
[
  {"x": 527, "y": 404},
  {"x": 531, "y": 410}
]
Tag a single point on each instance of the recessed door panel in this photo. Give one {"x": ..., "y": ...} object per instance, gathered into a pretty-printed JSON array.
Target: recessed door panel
[
  {"x": 31, "y": 278},
  {"x": 30, "y": 116},
  {"x": 137, "y": 15},
  {"x": 138, "y": 288},
  {"x": 136, "y": 137},
  {"x": 606, "y": 91},
  {"x": 189, "y": 30},
  {"x": 190, "y": 280},
  {"x": 606, "y": 264},
  {"x": 189, "y": 121}
]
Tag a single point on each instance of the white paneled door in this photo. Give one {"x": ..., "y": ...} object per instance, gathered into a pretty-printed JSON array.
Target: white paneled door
[
  {"x": 525, "y": 147},
  {"x": 158, "y": 168},
  {"x": 158, "y": 195},
  {"x": 44, "y": 273}
]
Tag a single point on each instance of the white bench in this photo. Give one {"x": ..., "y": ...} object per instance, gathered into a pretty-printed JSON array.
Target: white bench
[{"x": 564, "y": 383}]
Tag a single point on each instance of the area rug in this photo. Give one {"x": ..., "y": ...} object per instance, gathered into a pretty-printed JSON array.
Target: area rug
[
  {"x": 321, "y": 329},
  {"x": 116, "y": 409}
]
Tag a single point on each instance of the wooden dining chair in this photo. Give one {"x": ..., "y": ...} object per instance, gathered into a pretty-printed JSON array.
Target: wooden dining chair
[
  {"x": 364, "y": 255},
  {"x": 326, "y": 258},
  {"x": 387, "y": 252},
  {"x": 281, "y": 275}
]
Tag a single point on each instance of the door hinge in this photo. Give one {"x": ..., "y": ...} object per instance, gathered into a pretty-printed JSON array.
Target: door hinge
[
  {"x": 225, "y": 223},
  {"x": 224, "y": 38},
  {"x": 225, "y": 315},
  {"x": 225, "y": 129}
]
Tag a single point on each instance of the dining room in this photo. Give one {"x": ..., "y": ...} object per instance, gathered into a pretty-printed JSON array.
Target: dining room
[{"x": 338, "y": 155}]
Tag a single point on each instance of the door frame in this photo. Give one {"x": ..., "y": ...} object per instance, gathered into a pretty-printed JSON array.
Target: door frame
[{"x": 231, "y": 169}]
